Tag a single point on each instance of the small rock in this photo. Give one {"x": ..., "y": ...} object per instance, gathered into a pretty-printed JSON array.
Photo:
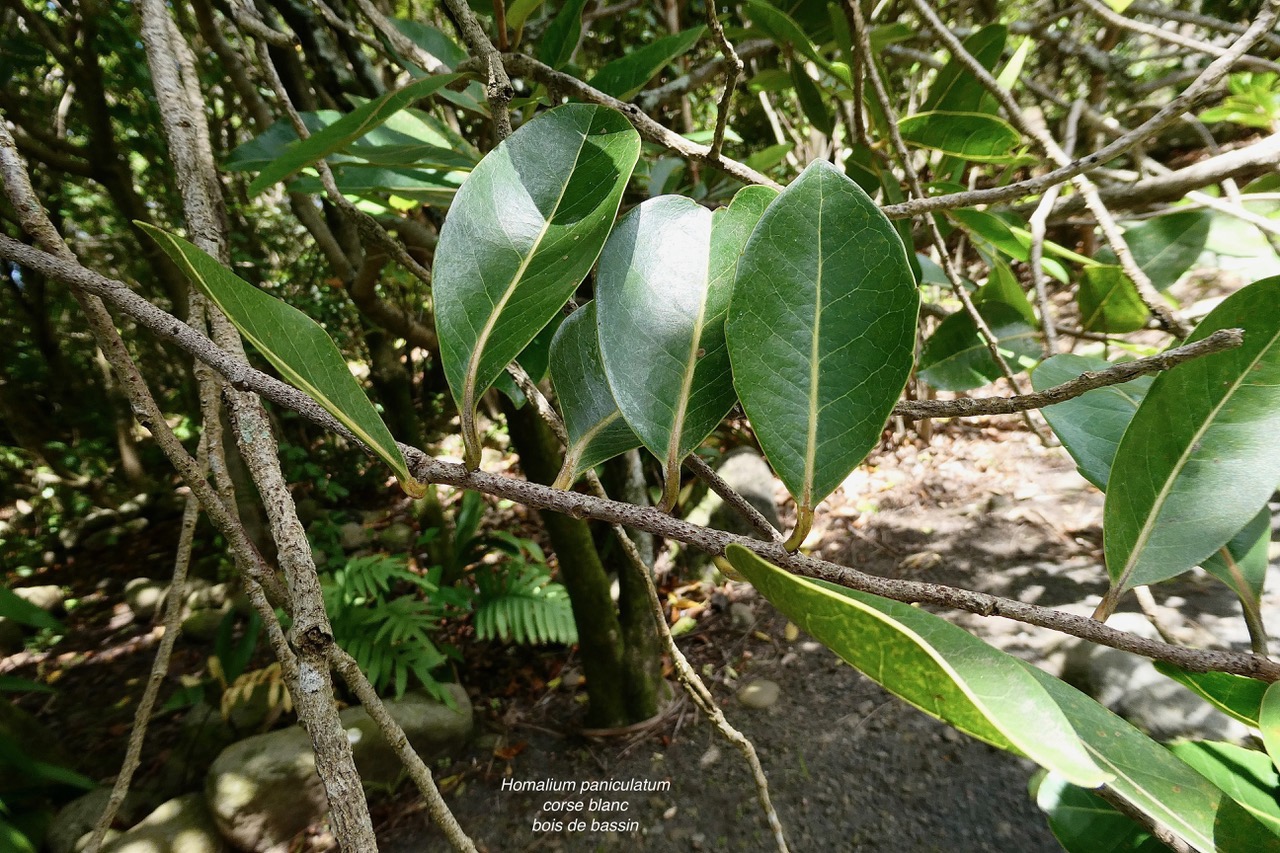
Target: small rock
[
  {"x": 759, "y": 694},
  {"x": 353, "y": 536},
  {"x": 571, "y": 679},
  {"x": 48, "y": 598},
  {"x": 144, "y": 597},
  {"x": 433, "y": 730},
  {"x": 397, "y": 537},
  {"x": 78, "y": 818},
  {"x": 741, "y": 616},
  {"x": 202, "y": 625},
  {"x": 711, "y": 756},
  {"x": 203, "y": 595},
  {"x": 920, "y": 562},
  {"x": 183, "y": 825}
]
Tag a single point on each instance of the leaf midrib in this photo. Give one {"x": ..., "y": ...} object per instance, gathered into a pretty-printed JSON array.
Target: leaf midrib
[
  {"x": 1148, "y": 527},
  {"x": 811, "y": 439},
  {"x": 477, "y": 353},
  {"x": 690, "y": 368}
]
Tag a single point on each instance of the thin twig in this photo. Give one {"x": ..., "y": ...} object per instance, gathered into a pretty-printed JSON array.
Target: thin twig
[
  {"x": 240, "y": 375},
  {"x": 498, "y": 90},
  {"x": 1173, "y": 37},
  {"x": 1039, "y": 225},
  {"x": 733, "y": 70}
]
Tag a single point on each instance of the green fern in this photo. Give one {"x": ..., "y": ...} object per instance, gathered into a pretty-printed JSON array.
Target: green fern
[
  {"x": 389, "y": 636},
  {"x": 517, "y": 601}
]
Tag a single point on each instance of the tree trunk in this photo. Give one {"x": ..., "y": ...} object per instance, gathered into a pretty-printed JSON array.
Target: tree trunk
[{"x": 610, "y": 665}]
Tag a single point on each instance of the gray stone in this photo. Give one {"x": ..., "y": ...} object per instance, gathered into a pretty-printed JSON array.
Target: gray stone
[
  {"x": 741, "y": 616},
  {"x": 353, "y": 536},
  {"x": 264, "y": 790},
  {"x": 181, "y": 825},
  {"x": 1131, "y": 687},
  {"x": 397, "y": 537},
  {"x": 433, "y": 730},
  {"x": 48, "y": 598},
  {"x": 759, "y": 694},
  {"x": 78, "y": 817},
  {"x": 202, "y": 625},
  {"x": 202, "y": 595},
  {"x": 145, "y": 596},
  {"x": 749, "y": 475}
]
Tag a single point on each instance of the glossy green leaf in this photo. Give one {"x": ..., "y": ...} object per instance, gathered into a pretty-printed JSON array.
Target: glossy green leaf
[
  {"x": 938, "y": 667},
  {"x": 1269, "y": 723},
  {"x": 671, "y": 262},
  {"x": 1109, "y": 302},
  {"x": 955, "y": 89},
  {"x": 1090, "y": 426},
  {"x": 624, "y": 77},
  {"x": 14, "y": 839},
  {"x": 1002, "y": 286},
  {"x": 520, "y": 237},
  {"x": 977, "y": 137},
  {"x": 1083, "y": 822},
  {"x": 1233, "y": 695},
  {"x": 987, "y": 228},
  {"x": 955, "y": 358},
  {"x": 597, "y": 431},
  {"x": 1167, "y": 246},
  {"x": 295, "y": 345},
  {"x": 1198, "y": 460},
  {"x": 811, "y": 99},
  {"x": 821, "y": 330},
  {"x": 519, "y": 11},
  {"x": 785, "y": 31},
  {"x": 14, "y": 684},
  {"x": 347, "y": 130},
  {"x": 561, "y": 38},
  {"x": 1244, "y": 565},
  {"x": 1154, "y": 781},
  {"x": 1246, "y": 775}
]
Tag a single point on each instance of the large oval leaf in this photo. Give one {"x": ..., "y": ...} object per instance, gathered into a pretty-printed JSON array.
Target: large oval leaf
[
  {"x": 1246, "y": 775},
  {"x": 596, "y": 429},
  {"x": 1199, "y": 458},
  {"x": 1154, "y": 781},
  {"x": 955, "y": 89},
  {"x": 295, "y": 345},
  {"x": 955, "y": 358},
  {"x": 662, "y": 290},
  {"x": 522, "y": 233},
  {"x": 1083, "y": 822},
  {"x": 821, "y": 329},
  {"x": 1090, "y": 426},
  {"x": 978, "y": 137},
  {"x": 1233, "y": 695},
  {"x": 941, "y": 669}
]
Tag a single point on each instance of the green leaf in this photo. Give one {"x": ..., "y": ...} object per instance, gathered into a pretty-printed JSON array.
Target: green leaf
[
  {"x": 14, "y": 684},
  {"x": 519, "y": 11},
  {"x": 955, "y": 358},
  {"x": 1167, "y": 246},
  {"x": 1234, "y": 695},
  {"x": 295, "y": 345},
  {"x": 956, "y": 89},
  {"x": 1269, "y": 723},
  {"x": 346, "y": 130},
  {"x": 432, "y": 40},
  {"x": 1090, "y": 426},
  {"x": 1083, "y": 822},
  {"x": 596, "y": 429},
  {"x": 1002, "y": 286},
  {"x": 977, "y": 137},
  {"x": 625, "y": 76},
  {"x": 821, "y": 330},
  {"x": 939, "y": 668},
  {"x": 521, "y": 235},
  {"x": 14, "y": 607},
  {"x": 561, "y": 37},
  {"x": 1154, "y": 781},
  {"x": 1246, "y": 775},
  {"x": 785, "y": 31},
  {"x": 811, "y": 100},
  {"x": 14, "y": 839},
  {"x": 1246, "y": 570},
  {"x": 1119, "y": 5},
  {"x": 1198, "y": 460},
  {"x": 1109, "y": 302},
  {"x": 987, "y": 228},
  {"x": 671, "y": 262}
]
